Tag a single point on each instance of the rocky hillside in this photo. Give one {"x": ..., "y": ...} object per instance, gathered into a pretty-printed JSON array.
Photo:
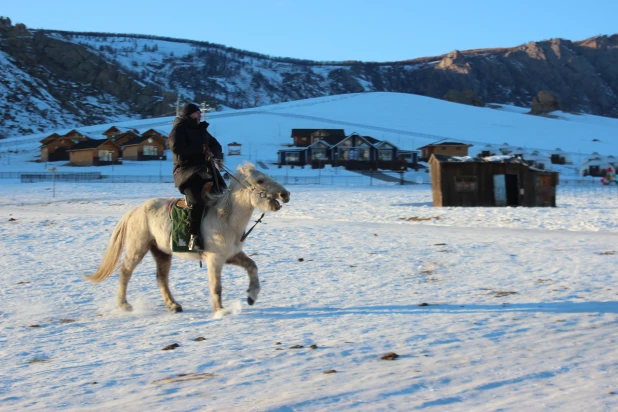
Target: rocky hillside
[{"x": 54, "y": 80}]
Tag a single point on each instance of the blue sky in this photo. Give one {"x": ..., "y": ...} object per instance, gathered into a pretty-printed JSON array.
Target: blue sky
[{"x": 327, "y": 30}]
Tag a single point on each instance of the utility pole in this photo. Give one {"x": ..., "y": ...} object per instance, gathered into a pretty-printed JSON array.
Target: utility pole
[{"x": 178, "y": 106}]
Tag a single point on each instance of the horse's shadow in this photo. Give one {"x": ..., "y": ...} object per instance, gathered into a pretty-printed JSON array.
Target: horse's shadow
[{"x": 541, "y": 307}]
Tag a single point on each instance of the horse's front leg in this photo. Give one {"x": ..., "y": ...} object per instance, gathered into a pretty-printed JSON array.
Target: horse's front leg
[
  {"x": 214, "y": 281},
  {"x": 244, "y": 261}
]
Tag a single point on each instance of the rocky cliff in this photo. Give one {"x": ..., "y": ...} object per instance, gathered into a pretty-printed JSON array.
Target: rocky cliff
[{"x": 54, "y": 79}]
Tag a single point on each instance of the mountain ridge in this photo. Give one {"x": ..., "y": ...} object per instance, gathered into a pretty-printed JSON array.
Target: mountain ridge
[{"x": 72, "y": 79}]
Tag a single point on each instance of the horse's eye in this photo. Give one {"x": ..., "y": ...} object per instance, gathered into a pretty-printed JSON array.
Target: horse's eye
[{"x": 260, "y": 181}]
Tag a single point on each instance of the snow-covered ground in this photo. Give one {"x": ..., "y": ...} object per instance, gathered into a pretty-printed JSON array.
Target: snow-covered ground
[{"x": 488, "y": 308}]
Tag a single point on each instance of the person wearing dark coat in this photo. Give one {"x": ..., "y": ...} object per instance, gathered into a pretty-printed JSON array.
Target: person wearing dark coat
[{"x": 194, "y": 151}]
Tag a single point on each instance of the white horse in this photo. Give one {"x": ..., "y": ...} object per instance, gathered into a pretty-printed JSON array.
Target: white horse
[{"x": 148, "y": 228}]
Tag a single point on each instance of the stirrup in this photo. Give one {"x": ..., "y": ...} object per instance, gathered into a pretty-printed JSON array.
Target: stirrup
[{"x": 194, "y": 243}]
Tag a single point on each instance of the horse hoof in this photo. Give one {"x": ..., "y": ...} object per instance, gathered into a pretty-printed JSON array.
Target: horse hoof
[
  {"x": 176, "y": 308},
  {"x": 126, "y": 307},
  {"x": 250, "y": 301}
]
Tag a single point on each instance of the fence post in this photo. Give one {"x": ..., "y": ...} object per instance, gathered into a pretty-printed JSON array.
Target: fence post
[{"x": 53, "y": 170}]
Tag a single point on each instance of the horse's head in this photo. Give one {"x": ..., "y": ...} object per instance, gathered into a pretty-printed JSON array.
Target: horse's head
[{"x": 266, "y": 194}]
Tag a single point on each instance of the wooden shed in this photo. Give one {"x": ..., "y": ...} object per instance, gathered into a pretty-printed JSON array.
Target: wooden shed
[
  {"x": 491, "y": 181},
  {"x": 98, "y": 152},
  {"x": 144, "y": 148}
]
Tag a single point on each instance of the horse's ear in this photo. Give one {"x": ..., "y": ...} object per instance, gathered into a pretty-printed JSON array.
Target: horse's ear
[{"x": 246, "y": 168}]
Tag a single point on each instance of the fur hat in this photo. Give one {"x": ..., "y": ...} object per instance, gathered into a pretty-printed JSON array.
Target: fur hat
[{"x": 188, "y": 109}]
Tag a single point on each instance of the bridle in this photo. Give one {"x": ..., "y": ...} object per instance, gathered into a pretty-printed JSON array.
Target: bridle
[{"x": 262, "y": 195}]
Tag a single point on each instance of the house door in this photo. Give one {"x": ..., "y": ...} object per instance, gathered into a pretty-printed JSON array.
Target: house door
[
  {"x": 506, "y": 190},
  {"x": 353, "y": 154},
  {"x": 512, "y": 190}
]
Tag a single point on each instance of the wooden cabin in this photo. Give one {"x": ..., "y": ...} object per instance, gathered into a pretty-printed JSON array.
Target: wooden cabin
[
  {"x": 113, "y": 132},
  {"x": 49, "y": 138},
  {"x": 502, "y": 181},
  {"x": 354, "y": 152},
  {"x": 144, "y": 148},
  {"x": 99, "y": 152},
  {"x": 158, "y": 134},
  {"x": 57, "y": 150},
  {"x": 76, "y": 135},
  {"x": 306, "y": 137},
  {"x": 443, "y": 149},
  {"x": 122, "y": 138}
]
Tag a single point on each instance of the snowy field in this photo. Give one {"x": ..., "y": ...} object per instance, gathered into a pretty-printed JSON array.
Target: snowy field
[{"x": 489, "y": 309}]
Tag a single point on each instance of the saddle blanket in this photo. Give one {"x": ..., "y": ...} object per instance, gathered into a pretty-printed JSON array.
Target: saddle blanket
[{"x": 179, "y": 214}]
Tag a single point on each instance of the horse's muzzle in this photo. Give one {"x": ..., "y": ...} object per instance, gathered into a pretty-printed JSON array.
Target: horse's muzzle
[{"x": 284, "y": 196}]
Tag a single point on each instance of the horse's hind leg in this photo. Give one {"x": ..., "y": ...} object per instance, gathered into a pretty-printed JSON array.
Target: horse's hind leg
[
  {"x": 244, "y": 261},
  {"x": 133, "y": 255},
  {"x": 164, "y": 263}
]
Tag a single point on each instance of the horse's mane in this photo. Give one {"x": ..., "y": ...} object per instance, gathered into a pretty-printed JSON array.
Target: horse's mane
[{"x": 221, "y": 202}]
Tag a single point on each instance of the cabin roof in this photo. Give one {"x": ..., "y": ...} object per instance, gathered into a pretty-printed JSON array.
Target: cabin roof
[
  {"x": 307, "y": 132},
  {"x": 90, "y": 144}
]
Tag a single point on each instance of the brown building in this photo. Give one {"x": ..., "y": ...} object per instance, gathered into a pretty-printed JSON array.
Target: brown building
[
  {"x": 98, "y": 152},
  {"x": 50, "y": 138},
  {"x": 76, "y": 135},
  {"x": 122, "y": 138},
  {"x": 144, "y": 148},
  {"x": 56, "y": 149},
  {"x": 156, "y": 133},
  {"x": 115, "y": 131},
  {"x": 306, "y": 137},
  {"x": 457, "y": 181},
  {"x": 443, "y": 149}
]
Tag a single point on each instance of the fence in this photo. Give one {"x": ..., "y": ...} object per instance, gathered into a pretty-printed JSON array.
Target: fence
[
  {"x": 579, "y": 186},
  {"x": 368, "y": 179},
  {"x": 59, "y": 177}
]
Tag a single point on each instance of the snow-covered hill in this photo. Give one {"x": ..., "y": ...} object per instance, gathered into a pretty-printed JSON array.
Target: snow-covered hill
[{"x": 408, "y": 121}]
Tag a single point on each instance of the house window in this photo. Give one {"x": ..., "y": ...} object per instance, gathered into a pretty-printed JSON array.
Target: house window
[
  {"x": 385, "y": 154},
  {"x": 292, "y": 157},
  {"x": 347, "y": 142},
  {"x": 318, "y": 154},
  {"x": 150, "y": 151},
  {"x": 363, "y": 154},
  {"x": 105, "y": 155},
  {"x": 465, "y": 183}
]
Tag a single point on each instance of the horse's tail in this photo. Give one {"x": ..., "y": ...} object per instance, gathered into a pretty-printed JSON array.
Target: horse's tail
[{"x": 113, "y": 252}]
